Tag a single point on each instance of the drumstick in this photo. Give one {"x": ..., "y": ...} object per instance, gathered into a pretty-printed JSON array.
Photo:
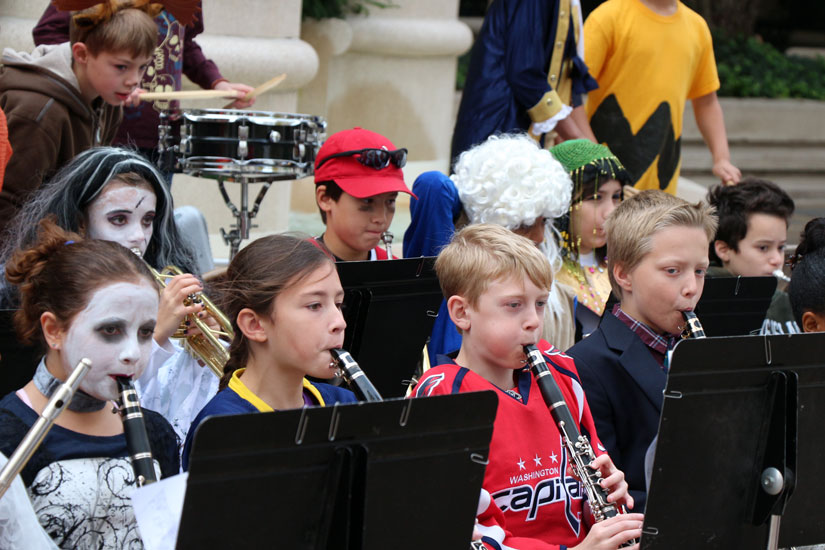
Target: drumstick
[
  {"x": 190, "y": 94},
  {"x": 265, "y": 87}
]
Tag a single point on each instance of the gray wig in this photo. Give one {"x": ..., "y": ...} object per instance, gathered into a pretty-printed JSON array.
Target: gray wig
[{"x": 68, "y": 194}]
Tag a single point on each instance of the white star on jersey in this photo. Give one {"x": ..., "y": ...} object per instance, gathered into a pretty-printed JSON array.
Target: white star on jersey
[
  {"x": 521, "y": 464},
  {"x": 537, "y": 460},
  {"x": 554, "y": 458}
]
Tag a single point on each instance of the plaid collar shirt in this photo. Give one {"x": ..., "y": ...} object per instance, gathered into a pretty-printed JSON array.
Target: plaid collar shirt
[{"x": 656, "y": 343}]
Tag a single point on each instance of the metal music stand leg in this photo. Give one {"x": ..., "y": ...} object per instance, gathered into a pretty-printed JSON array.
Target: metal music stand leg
[{"x": 243, "y": 216}]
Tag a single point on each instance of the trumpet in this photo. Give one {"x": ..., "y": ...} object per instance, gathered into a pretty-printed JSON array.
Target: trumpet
[
  {"x": 57, "y": 403},
  {"x": 206, "y": 346}
]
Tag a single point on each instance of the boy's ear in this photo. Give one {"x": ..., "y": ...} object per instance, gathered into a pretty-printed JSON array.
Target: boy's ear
[
  {"x": 53, "y": 330},
  {"x": 249, "y": 323},
  {"x": 623, "y": 277},
  {"x": 80, "y": 52},
  {"x": 323, "y": 200},
  {"x": 811, "y": 322},
  {"x": 458, "y": 307},
  {"x": 722, "y": 250}
]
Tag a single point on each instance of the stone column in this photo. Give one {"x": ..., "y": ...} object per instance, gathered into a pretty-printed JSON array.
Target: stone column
[
  {"x": 392, "y": 72},
  {"x": 251, "y": 42}
]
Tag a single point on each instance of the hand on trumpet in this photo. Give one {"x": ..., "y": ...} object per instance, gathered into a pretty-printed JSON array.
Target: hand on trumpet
[{"x": 173, "y": 306}]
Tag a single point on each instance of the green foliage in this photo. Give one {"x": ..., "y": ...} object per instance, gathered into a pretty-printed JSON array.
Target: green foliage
[
  {"x": 750, "y": 68},
  {"x": 461, "y": 70},
  {"x": 326, "y": 9}
]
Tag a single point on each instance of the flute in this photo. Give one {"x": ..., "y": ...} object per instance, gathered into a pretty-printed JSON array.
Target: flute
[
  {"x": 354, "y": 376},
  {"x": 57, "y": 403},
  {"x": 134, "y": 428},
  {"x": 578, "y": 447}
]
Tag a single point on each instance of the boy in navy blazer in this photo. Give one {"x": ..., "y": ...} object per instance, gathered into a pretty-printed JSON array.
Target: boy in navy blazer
[{"x": 657, "y": 258}]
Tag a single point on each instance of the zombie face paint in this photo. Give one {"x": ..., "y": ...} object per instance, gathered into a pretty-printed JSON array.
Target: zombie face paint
[
  {"x": 115, "y": 332},
  {"x": 124, "y": 214}
]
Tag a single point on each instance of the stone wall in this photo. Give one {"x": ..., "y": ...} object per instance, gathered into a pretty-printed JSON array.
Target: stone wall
[{"x": 782, "y": 140}]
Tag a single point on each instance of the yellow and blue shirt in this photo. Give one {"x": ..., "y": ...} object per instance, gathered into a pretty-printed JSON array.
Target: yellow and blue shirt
[{"x": 237, "y": 398}]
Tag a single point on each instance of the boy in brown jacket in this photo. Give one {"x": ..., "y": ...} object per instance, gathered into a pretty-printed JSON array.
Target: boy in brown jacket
[{"x": 61, "y": 100}]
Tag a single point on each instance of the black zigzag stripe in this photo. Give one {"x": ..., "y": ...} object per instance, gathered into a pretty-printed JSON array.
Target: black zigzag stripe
[{"x": 637, "y": 152}]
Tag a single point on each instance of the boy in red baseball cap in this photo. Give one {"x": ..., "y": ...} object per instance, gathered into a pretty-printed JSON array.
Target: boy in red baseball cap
[{"x": 357, "y": 178}]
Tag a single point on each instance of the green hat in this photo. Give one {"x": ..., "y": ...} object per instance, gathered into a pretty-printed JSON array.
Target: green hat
[
  {"x": 590, "y": 165},
  {"x": 585, "y": 160}
]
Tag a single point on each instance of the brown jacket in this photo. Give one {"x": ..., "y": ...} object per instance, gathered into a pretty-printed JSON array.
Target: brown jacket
[{"x": 49, "y": 121}]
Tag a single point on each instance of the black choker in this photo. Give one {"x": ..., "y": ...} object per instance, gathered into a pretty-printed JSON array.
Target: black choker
[{"x": 47, "y": 384}]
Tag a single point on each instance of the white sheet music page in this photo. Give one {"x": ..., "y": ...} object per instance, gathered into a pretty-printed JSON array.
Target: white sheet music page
[{"x": 158, "y": 507}]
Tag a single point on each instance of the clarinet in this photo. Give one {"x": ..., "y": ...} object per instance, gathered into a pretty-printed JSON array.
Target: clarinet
[
  {"x": 386, "y": 238},
  {"x": 57, "y": 403},
  {"x": 693, "y": 329},
  {"x": 134, "y": 429},
  {"x": 354, "y": 376},
  {"x": 578, "y": 447}
]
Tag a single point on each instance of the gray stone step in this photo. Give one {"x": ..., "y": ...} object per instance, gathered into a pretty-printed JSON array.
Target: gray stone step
[
  {"x": 779, "y": 158},
  {"x": 766, "y": 121}
]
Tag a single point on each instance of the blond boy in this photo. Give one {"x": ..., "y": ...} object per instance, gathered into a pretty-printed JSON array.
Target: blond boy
[
  {"x": 496, "y": 285},
  {"x": 658, "y": 256},
  {"x": 61, "y": 100}
]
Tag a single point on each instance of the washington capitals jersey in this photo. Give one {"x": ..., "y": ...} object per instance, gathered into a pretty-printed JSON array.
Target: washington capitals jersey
[{"x": 529, "y": 500}]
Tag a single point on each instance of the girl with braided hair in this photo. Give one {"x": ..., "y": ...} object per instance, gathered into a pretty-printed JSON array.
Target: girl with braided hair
[{"x": 598, "y": 178}]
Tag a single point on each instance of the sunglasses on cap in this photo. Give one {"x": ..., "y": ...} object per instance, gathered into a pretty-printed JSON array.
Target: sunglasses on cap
[{"x": 374, "y": 158}]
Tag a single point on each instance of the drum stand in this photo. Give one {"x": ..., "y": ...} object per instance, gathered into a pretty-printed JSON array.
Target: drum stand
[{"x": 243, "y": 216}]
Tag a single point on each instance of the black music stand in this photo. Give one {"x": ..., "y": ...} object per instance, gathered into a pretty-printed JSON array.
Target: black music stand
[
  {"x": 729, "y": 306},
  {"x": 401, "y": 474},
  {"x": 390, "y": 307},
  {"x": 740, "y": 413},
  {"x": 735, "y": 306}
]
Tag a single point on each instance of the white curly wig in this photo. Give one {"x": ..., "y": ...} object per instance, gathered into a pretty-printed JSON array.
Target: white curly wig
[{"x": 508, "y": 180}]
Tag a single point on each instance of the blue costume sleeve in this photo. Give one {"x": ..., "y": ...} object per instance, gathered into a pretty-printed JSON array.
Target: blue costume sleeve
[{"x": 508, "y": 72}]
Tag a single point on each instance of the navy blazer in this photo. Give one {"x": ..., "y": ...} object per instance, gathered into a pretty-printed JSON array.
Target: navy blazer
[{"x": 624, "y": 386}]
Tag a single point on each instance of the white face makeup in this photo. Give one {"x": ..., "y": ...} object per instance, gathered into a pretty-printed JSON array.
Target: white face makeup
[
  {"x": 124, "y": 214},
  {"x": 115, "y": 332}
]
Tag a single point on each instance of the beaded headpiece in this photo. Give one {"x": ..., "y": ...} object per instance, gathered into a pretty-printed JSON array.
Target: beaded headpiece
[
  {"x": 587, "y": 163},
  {"x": 93, "y": 12}
]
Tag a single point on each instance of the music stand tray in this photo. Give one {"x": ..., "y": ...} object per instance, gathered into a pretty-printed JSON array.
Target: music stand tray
[
  {"x": 390, "y": 307},
  {"x": 735, "y": 306},
  {"x": 733, "y": 408},
  {"x": 401, "y": 474}
]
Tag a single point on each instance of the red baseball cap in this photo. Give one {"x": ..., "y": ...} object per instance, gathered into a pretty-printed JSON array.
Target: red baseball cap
[{"x": 355, "y": 178}]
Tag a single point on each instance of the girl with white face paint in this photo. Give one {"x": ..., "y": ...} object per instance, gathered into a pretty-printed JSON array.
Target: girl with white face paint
[
  {"x": 117, "y": 195},
  {"x": 97, "y": 300}
]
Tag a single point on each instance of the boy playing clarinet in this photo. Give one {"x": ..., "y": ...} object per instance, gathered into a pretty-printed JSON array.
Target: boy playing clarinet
[
  {"x": 658, "y": 257},
  {"x": 496, "y": 284}
]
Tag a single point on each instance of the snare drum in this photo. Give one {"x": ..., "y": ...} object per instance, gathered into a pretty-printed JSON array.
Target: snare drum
[{"x": 239, "y": 144}]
